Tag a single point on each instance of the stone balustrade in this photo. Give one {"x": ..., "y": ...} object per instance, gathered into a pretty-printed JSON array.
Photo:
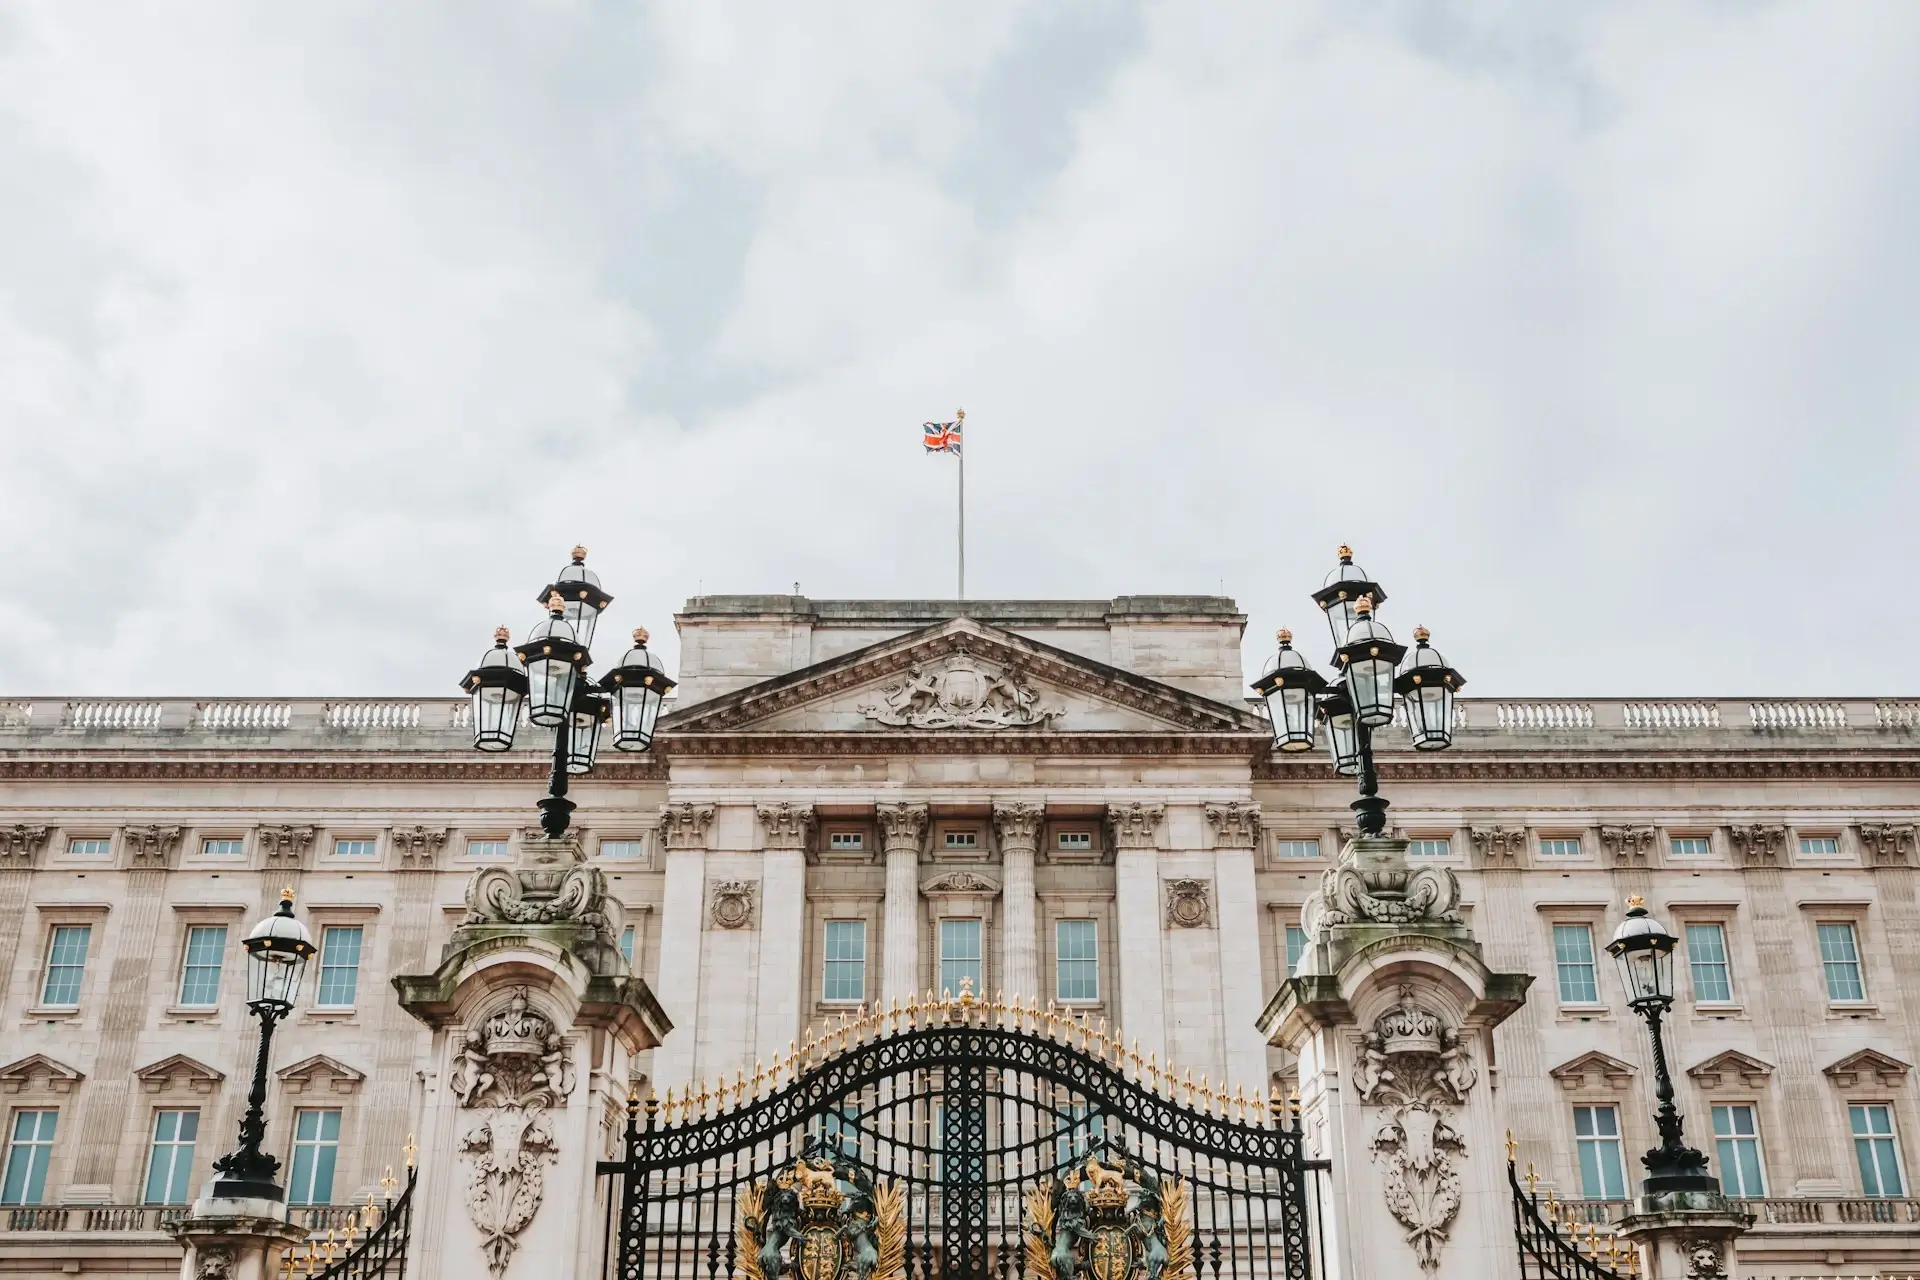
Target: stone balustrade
[{"x": 131, "y": 1219}]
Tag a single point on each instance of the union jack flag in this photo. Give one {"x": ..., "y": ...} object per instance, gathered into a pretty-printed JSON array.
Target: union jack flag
[{"x": 941, "y": 437}]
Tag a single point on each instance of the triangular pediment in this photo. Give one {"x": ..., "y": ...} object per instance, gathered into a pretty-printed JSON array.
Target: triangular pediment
[
  {"x": 1868, "y": 1066},
  {"x": 1730, "y": 1067},
  {"x": 961, "y": 677},
  {"x": 179, "y": 1071},
  {"x": 38, "y": 1071},
  {"x": 1593, "y": 1069}
]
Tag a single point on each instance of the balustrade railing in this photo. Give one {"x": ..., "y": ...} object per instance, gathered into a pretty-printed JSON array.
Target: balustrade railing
[
  {"x": 122, "y": 1219},
  {"x": 1776, "y": 1211},
  {"x": 1671, "y": 715},
  {"x": 1542, "y": 716},
  {"x": 1896, "y": 715},
  {"x": 372, "y": 717},
  {"x": 114, "y": 715},
  {"x": 245, "y": 716},
  {"x": 1796, "y": 715}
]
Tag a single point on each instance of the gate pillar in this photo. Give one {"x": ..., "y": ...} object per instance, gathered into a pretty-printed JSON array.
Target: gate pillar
[
  {"x": 1391, "y": 1014},
  {"x": 535, "y": 1022}
]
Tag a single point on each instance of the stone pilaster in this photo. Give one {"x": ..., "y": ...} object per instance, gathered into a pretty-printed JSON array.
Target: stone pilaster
[
  {"x": 1504, "y": 924},
  {"x": 103, "y": 1105},
  {"x": 397, "y": 1040},
  {"x": 1133, "y": 833},
  {"x": 1017, "y": 827},
  {"x": 1687, "y": 1235},
  {"x": 903, "y": 830},
  {"x": 1784, "y": 1018},
  {"x": 234, "y": 1239},
  {"x": 1236, "y": 840},
  {"x": 683, "y": 830},
  {"x": 20, "y": 846},
  {"x": 788, "y": 830}
]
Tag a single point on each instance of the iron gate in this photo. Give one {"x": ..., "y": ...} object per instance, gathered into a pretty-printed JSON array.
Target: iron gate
[{"x": 962, "y": 1140}]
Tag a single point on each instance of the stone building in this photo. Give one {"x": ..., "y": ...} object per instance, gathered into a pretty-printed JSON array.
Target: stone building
[{"x": 856, "y": 801}]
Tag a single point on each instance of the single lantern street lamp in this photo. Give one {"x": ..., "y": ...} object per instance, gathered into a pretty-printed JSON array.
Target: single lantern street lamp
[
  {"x": 1644, "y": 950},
  {"x": 547, "y": 677},
  {"x": 278, "y": 949},
  {"x": 1370, "y": 680}
]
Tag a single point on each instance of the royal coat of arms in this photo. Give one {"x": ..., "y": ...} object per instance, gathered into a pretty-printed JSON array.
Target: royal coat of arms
[
  {"x": 1109, "y": 1218},
  {"x": 822, "y": 1219}
]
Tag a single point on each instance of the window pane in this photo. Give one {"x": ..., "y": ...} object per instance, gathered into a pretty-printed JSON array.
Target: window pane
[
  {"x": 1560, "y": 847},
  {"x": 959, "y": 955},
  {"x": 1840, "y": 956},
  {"x": 90, "y": 848},
  {"x": 339, "y": 966},
  {"x": 475, "y": 848},
  {"x": 625, "y": 849},
  {"x": 223, "y": 848},
  {"x": 1429, "y": 848},
  {"x": 316, "y": 1142},
  {"x": 1077, "y": 954},
  {"x": 626, "y": 945},
  {"x": 200, "y": 971},
  {"x": 1819, "y": 846},
  {"x": 1597, "y": 1138},
  {"x": 1296, "y": 947},
  {"x": 1737, "y": 1143},
  {"x": 1707, "y": 959},
  {"x": 1573, "y": 955},
  {"x": 1690, "y": 846},
  {"x": 170, "y": 1162},
  {"x": 66, "y": 965},
  {"x": 1298, "y": 848},
  {"x": 845, "y": 976},
  {"x": 1875, "y": 1149},
  {"x": 29, "y": 1149}
]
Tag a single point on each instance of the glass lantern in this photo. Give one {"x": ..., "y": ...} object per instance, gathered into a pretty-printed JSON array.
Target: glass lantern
[
  {"x": 499, "y": 686},
  {"x": 1427, "y": 685},
  {"x": 1289, "y": 686},
  {"x": 1343, "y": 732},
  {"x": 638, "y": 686},
  {"x": 1344, "y": 589},
  {"x": 579, "y": 587},
  {"x": 1367, "y": 661},
  {"x": 590, "y": 711},
  {"x": 1644, "y": 950},
  {"x": 277, "y": 950},
  {"x": 554, "y": 659}
]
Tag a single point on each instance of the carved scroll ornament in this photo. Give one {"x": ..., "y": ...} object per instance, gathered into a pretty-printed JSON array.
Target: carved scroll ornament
[
  {"x": 1361, "y": 890},
  {"x": 962, "y": 694}
]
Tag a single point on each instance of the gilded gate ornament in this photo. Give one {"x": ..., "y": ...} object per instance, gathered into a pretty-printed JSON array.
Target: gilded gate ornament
[
  {"x": 1109, "y": 1218},
  {"x": 822, "y": 1219}
]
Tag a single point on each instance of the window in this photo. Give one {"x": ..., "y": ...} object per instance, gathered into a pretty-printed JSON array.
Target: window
[
  {"x": 963, "y": 840},
  {"x": 841, "y": 1126},
  {"x": 1076, "y": 946},
  {"x": 223, "y": 848},
  {"x": 200, "y": 968},
  {"x": 356, "y": 848},
  {"x": 66, "y": 965},
  {"x": 1819, "y": 846},
  {"x": 626, "y": 946},
  {"x": 1596, "y": 1136},
  {"x": 1689, "y": 846},
  {"x": 1840, "y": 956},
  {"x": 1873, "y": 1146},
  {"x": 845, "y": 975},
  {"x": 1073, "y": 841},
  {"x": 170, "y": 1162},
  {"x": 959, "y": 955},
  {"x": 846, "y": 841},
  {"x": 1429, "y": 848},
  {"x": 1737, "y": 1142},
  {"x": 339, "y": 966},
  {"x": 1560, "y": 847},
  {"x": 316, "y": 1143},
  {"x": 475, "y": 848},
  {"x": 1083, "y": 1128},
  {"x": 623, "y": 850},
  {"x": 90, "y": 847},
  {"x": 1573, "y": 956},
  {"x": 1707, "y": 958},
  {"x": 1296, "y": 947},
  {"x": 1296, "y": 848},
  {"x": 29, "y": 1148}
]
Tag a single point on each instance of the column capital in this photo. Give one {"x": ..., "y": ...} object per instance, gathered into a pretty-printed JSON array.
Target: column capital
[
  {"x": 19, "y": 844},
  {"x": 1135, "y": 826},
  {"x": 685, "y": 825},
  {"x": 1235, "y": 825},
  {"x": 286, "y": 848},
  {"x": 787, "y": 826},
  {"x": 903, "y": 827},
  {"x": 1017, "y": 825}
]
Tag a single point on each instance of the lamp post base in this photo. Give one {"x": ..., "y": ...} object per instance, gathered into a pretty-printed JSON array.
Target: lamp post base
[
  {"x": 246, "y": 1189},
  {"x": 555, "y": 813}
]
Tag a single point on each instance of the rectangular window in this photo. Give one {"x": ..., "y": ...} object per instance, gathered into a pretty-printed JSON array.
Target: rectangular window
[
  {"x": 200, "y": 970},
  {"x": 29, "y": 1149},
  {"x": 842, "y": 1128},
  {"x": 1560, "y": 847},
  {"x": 1296, "y": 947},
  {"x": 1873, "y": 1145},
  {"x": 1819, "y": 846},
  {"x": 1573, "y": 956},
  {"x": 847, "y": 841},
  {"x": 1736, "y": 1141},
  {"x": 1073, "y": 841},
  {"x": 223, "y": 848},
  {"x": 1084, "y": 1128},
  {"x": 170, "y": 1162},
  {"x": 316, "y": 1144},
  {"x": 475, "y": 848},
  {"x": 623, "y": 850},
  {"x": 626, "y": 946},
  {"x": 1296, "y": 848},
  {"x": 1689, "y": 846},
  {"x": 1707, "y": 958},
  {"x": 845, "y": 975},
  {"x": 1076, "y": 946},
  {"x": 959, "y": 955},
  {"x": 963, "y": 840},
  {"x": 353, "y": 848},
  {"x": 66, "y": 965},
  {"x": 1596, "y": 1136},
  {"x": 1840, "y": 956},
  {"x": 90, "y": 847},
  {"x": 339, "y": 966},
  {"x": 1429, "y": 848}
]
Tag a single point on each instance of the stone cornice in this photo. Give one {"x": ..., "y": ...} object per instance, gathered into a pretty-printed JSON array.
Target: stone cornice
[
  {"x": 83, "y": 766},
  {"x": 1011, "y": 742},
  {"x": 1641, "y": 766}
]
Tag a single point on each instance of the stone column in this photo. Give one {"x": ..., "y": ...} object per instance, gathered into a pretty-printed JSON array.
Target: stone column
[
  {"x": 1133, "y": 834},
  {"x": 19, "y": 846},
  {"x": 1017, "y": 827},
  {"x": 1690, "y": 1235},
  {"x": 903, "y": 828},
  {"x": 1236, "y": 840},
  {"x": 783, "y": 915},
  {"x": 683, "y": 829},
  {"x": 234, "y": 1239},
  {"x": 1392, "y": 1016}
]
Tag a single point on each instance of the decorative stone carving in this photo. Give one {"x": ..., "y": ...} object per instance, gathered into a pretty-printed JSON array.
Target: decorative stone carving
[
  {"x": 1134, "y": 826},
  {"x": 319, "y": 1072},
  {"x": 903, "y": 827},
  {"x": 732, "y": 903},
  {"x": 419, "y": 847},
  {"x": 189, "y": 1074},
  {"x": 1628, "y": 846},
  {"x": 1189, "y": 904},
  {"x": 1868, "y": 1066},
  {"x": 216, "y": 1263},
  {"x": 684, "y": 826},
  {"x": 1017, "y": 825},
  {"x": 1706, "y": 1259},
  {"x": 19, "y": 845},
  {"x": 151, "y": 848},
  {"x": 1415, "y": 1067},
  {"x": 1593, "y": 1072},
  {"x": 1759, "y": 846},
  {"x": 1498, "y": 847},
  {"x": 1372, "y": 884},
  {"x": 787, "y": 826},
  {"x": 960, "y": 693},
  {"x": 1235, "y": 825},
  {"x": 960, "y": 882},
  {"x": 1729, "y": 1065},
  {"x": 515, "y": 1066},
  {"x": 37, "y": 1073},
  {"x": 1887, "y": 845},
  {"x": 552, "y": 884},
  {"x": 286, "y": 848}
]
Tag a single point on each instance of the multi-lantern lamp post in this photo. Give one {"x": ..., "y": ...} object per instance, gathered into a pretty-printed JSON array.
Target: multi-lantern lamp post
[
  {"x": 548, "y": 676},
  {"x": 1644, "y": 949},
  {"x": 1360, "y": 698},
  {"x": 278, "y": 949}
]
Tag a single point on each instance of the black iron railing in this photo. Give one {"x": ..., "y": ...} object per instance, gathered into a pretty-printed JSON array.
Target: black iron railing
[
  {"x": 1557, "y": 1242},
  {"x": 371, "y": 1245}
]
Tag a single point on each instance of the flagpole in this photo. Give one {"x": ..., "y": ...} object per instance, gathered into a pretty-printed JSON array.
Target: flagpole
[{"x": 960, "y": 419}]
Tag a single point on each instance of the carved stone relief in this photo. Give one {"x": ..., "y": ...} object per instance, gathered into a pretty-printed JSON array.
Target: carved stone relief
[
  {"x": 286, "y": 848},
  {"x": 1017, "y": 825},
  {"x": 1759, "y": 846},
  {"x": 902, "y": 826},
  {"x": 1499, "y": 847},
  {"x": 732, "y": 903},
  {"x": 1628, "y": 846},
  {"x": 960, "y": 693},
  {"x": 151, "y": 848},
  {"x": 960, "y": 882},
  {"x": 216, "y": 1263},
  {"x": 787, "y": 826},
  {"x": 1372, "y": 884},
  {"x": 1189, "y": 904},
  {"x": 1887, "y": 845},
  {"x": 552, "y": 884},
  {"x": 684, "y": 825},
  {"x": 1134, "y": 826},
  {"x": 419, "y": 847},
  {"x": 20, "y": 844},
  {"x": 1235, "y": 825},
  {"x": 1706, "y": 1259}
]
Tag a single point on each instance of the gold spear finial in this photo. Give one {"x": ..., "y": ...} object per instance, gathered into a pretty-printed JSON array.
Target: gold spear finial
[
  {"x": 1532, "y": 1180},
  {"x": 410, "y": 1149},
  {"x": 388, "y": 1182},
  {"x": 1513, "y": 1148}
]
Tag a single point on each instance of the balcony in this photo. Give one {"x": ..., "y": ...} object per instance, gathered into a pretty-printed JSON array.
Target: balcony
[{"x": 136, "y": 1219}]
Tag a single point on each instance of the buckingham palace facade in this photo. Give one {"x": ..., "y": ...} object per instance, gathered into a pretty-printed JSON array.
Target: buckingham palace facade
[{"x": 851, "y": 803}]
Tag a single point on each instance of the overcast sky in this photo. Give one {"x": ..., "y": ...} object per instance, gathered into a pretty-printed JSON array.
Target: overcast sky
[{"x": 326, "y": 329}]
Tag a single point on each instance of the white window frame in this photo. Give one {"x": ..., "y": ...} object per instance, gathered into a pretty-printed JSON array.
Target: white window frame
[
  {"x": 1599, "y": 1143},
  {"x": 1293, "y": 955},
  {"x": 1735, "y": 1138},
  {"x": 296, "y": 1194},
  {"x": 846, "y": 842},
  {"x": 174, "y": 1149},
  {"x": 1592, "y": 965},
  {"x": 829, "y": 962},
  {"x": 1676, "y": 838},
  {"x": 74, "y": 849},
  {"x": 187, "y": 966},
  {"x": 966, "y": 839},
  {"x": 1290, "y": 848},
  {"x": 1421, "y": 847},
  {"x": 1073, "y": 841},
  {"x": 321, "y": 966},
  {"x": 1061, "y": 960},
  {"x": 1859, "y": 962},
  {"x": 1803, "y": 839},
  {"x": 488, "y": 848},
  {"x": 54, "y": 930},
  {"x": 1892, "y": 1140},
  {"x": 1726, "y": 963},
  {"x": 39, "y": 1154},
  {"x": 356, "y": 854},
  {"x": 616, "y": 849},
  {"x": 1550, "y": 847},
  {"x": 951, "y": 985},
  {"x": 231, "y": 847}
]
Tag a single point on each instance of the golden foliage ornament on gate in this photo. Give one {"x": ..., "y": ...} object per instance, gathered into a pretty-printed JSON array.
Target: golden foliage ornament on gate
[
  {"x": 820, "y": 1219},
  {"x": 1109, "y": 1219}
]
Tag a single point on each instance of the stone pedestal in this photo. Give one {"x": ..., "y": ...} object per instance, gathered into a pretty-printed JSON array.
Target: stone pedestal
[
  {"x": 536, "y": 1020},
  {"x": 1391, "y": 1016},
  {"x": 1686, "y": 1235},
  {"x": 228, "y": 1239}
]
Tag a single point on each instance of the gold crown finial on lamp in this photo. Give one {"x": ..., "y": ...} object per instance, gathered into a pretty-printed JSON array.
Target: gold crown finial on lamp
[
  {"x": 579, "y": 553},
  {"x": 1363, "y": 607},
  {"x": 1284, "y": 636},
  {"x": 1636, "y": 900},
  {"x": 501, "y": 635},
  {"x": 1421, "y": 635},
  {"x": 640, "y": 637},
  {"x": 286, "y": 894},
  {"x": 1345, "y": 552},
  {"x": 555, "y": 605}
]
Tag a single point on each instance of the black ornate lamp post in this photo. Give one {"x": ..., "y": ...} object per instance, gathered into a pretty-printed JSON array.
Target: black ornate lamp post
[
  {"x": 277, "y": 949},
  {"x": 1644, "y": 950},
  {"x": 548, "y": 676},
  {"x": 1361, "y": 696}
]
